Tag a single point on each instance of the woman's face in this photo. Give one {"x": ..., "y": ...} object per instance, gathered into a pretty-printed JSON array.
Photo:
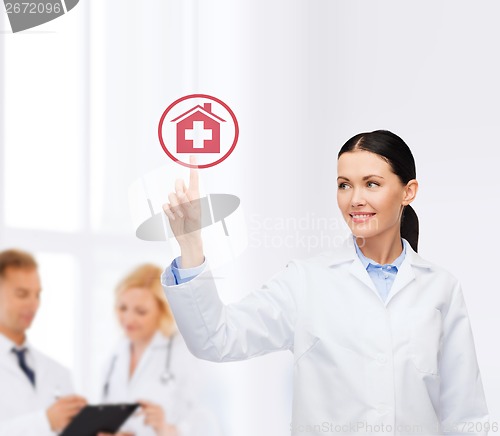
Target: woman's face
[
  {"x": 366, "y": 184},
  {"x": 138, "y": 314}
]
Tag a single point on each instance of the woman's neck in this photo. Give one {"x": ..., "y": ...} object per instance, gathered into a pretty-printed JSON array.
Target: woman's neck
[{"x": 382, "y": 248}]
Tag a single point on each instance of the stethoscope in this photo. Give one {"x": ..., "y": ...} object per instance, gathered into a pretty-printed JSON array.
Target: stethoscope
[{"x": 165, "y": 377}]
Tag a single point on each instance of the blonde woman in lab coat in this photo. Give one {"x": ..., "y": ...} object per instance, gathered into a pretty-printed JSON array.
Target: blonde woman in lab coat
[
  {"x": 380, "y": 336},
  {"x": 152, "y": 365}
]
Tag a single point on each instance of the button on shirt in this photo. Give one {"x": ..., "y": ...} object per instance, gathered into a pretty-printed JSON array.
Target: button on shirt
[{"x": 382, "y": 275}]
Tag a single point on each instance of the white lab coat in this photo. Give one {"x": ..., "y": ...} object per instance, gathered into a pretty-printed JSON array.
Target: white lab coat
[
  {"x": 22, "y": 407},
  {"x": 177, "y": 397},
  {"x": 407, "y": 365}
]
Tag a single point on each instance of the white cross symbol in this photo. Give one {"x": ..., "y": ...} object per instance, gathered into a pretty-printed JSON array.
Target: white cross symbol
[{"x": 198, "y": 134}]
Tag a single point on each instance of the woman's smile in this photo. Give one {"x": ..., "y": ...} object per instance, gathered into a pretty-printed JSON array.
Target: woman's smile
[{"x": 358, "y": 217}]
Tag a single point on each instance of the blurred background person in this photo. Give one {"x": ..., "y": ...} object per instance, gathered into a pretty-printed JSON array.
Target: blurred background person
[
  {"x": 152, "y": 365},
  {"x": 35, "y": 391}
]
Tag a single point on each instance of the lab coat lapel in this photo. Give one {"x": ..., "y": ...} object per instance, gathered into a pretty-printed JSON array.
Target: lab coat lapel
[
  {"x": 44, "y": 380},
  {"x": 11, "y": 366},
  {"x": 7, "y": 362},
  {"x": 405, "y": 275},
  {"x": 358, "y": 270},
  {"x": 412, "y": 266},
  {"x": 346, "y": 252},
  {"x": 40, "y": 368},
  {"x": 156, "y": 341},
  {"x": 39, "y": 364},
  {"x": 121, "y": 367}
]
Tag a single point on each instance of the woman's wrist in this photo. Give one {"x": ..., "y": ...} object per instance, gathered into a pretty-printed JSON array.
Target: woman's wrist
[{"x": 192, "y": 254}]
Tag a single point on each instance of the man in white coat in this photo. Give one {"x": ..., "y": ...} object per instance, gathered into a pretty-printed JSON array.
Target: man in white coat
[{"x": 35, "y": 394}]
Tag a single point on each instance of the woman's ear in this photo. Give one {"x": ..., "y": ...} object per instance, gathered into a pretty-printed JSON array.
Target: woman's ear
[{"x": 410, "y": 192}]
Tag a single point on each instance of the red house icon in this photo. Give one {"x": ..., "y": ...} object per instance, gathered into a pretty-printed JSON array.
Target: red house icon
[{"x": 198, "y": 130}]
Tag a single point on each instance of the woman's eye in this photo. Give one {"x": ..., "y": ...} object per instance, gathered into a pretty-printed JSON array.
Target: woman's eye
[
  {"x": 341, "y": 185},
  {"x": 373, "y": 183}
]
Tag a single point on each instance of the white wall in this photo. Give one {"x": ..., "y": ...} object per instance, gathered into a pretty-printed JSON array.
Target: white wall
[{"x": 302, "y": 77}]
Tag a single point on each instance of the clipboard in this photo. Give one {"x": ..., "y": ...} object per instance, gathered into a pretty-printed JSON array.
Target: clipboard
[{"x": 93, "y": 419}]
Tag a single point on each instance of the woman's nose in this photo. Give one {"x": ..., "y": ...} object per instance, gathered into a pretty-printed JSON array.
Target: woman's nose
[
  {"x": 125, "y": 318},
  {"x": 357, "y": 199}
]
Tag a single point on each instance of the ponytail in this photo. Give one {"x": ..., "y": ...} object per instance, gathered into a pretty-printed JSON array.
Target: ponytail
[{"x": 409, "y": 226}]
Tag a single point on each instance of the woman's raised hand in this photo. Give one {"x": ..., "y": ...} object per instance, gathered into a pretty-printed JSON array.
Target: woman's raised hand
[{"x": 184, "y": 215}]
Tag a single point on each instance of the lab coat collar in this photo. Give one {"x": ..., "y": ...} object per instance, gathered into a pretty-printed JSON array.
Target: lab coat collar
[{"x": 347, "y": 252}]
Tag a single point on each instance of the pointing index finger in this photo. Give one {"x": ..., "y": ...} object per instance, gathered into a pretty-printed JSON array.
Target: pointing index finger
[{"x": 193, "y": 175}]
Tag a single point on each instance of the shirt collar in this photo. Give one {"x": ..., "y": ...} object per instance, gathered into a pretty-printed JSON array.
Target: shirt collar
[
  {"x": 344, "y": 251},
  {"x": 366, "y": 261}
]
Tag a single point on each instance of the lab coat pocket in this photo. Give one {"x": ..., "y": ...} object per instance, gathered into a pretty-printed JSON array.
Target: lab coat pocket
[
  {"x": 426, "y": 332},
  {"x": 304, "y": 342}
]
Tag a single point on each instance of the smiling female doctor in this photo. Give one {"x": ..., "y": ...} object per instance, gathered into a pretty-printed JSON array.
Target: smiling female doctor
[
  {"x": 380, "y": 336},
  {"x": 152, "y": 365}
]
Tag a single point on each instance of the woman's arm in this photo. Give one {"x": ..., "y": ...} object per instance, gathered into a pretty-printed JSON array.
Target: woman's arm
[
  {"x": 463, "y": 407},
  {"x": 261, "y": 322}
]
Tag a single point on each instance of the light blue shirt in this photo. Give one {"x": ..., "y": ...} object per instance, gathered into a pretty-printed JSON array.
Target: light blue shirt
[
  {"x": 382, "y": 275},
  {"x": 176, "y": 275}
]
